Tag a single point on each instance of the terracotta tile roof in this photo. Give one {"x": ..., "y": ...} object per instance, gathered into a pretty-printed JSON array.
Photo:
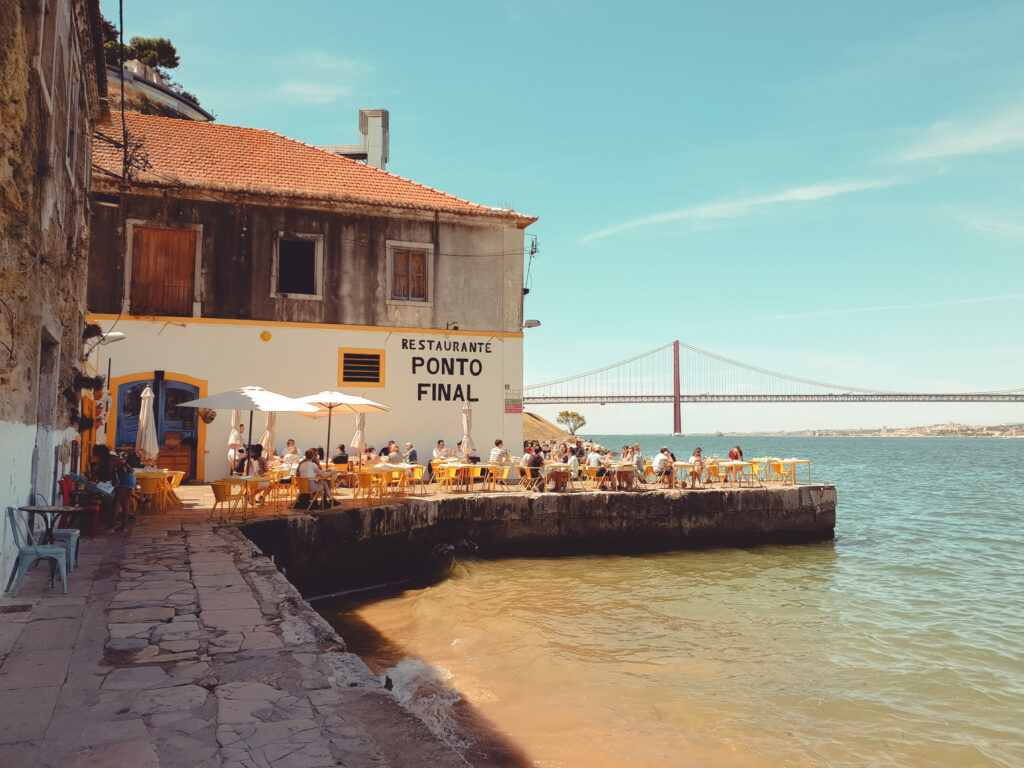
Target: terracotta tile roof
[{"x": 229, "y": 158}]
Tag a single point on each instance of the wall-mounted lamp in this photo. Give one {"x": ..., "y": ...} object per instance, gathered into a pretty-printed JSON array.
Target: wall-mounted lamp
[
  {"x": 452, "y": 326},
  {"x": 111, "y": 337},
  {"x": 531, "y": 323}
]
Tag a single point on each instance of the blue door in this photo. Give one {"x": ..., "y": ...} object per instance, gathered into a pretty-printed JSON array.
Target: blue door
[{"x": 171, "y": 418}]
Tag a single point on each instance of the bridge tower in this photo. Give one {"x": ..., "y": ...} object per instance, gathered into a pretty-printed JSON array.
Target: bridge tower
[{"x": 677, "y": 413}]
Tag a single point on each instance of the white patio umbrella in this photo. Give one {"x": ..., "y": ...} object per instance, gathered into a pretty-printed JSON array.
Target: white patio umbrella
[
  {"x": 250, "y": 399},
  {"x": 328, "y": 402},
  {"x": 358, "y": 442},
  {"x": 467, "y": 427},
  {"x": 269, "y": 436},
  {"x": 146, "y": 442}
]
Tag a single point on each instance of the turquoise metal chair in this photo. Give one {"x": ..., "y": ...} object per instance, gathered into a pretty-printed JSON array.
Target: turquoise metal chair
[
  {"x": 29, "y": 553},
  {"x": 71, "y": 537}
]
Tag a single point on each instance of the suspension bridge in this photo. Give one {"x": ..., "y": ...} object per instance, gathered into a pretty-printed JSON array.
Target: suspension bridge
[{"x": 680, "y": 373}]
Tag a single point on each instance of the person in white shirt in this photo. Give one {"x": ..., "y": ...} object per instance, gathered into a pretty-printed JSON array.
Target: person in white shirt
[
  {"x": 662, "y": 465},
  {"x": 698, "y": 467},
  {"x": 309, "y": 468},
  {"x": 441, "y": 452},
  {"x": 499, "y": 453},
  {"x": 574, "y": 465}
]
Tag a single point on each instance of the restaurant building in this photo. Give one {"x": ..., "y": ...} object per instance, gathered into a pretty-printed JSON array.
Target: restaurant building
[
  {"x": 237, "y": 256},
  {"x": 52, "y": 89}
]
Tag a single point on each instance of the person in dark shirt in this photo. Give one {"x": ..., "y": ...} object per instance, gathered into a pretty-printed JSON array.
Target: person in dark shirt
[
  {"x": 110, "y": 468},
  {"x": 340, "y": 457},
  {"x": 533, "y": 465}
]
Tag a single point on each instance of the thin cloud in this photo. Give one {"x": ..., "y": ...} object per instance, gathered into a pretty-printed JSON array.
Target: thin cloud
[
  {"x": 316, "y": 77},
  {"x": 746, "y": 206},
  {"x": 893, "y": 307},
  {"x": 955, "y": 138},
  {"x": 994, "y": 227},
  {"x": 305, "y": 92}
]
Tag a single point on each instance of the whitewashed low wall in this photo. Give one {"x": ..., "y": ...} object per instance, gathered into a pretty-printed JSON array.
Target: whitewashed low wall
[{"x": 17, "y": 444}]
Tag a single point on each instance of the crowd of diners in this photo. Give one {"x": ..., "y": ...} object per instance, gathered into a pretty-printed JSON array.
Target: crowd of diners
[{"x": 581, "y": 458}]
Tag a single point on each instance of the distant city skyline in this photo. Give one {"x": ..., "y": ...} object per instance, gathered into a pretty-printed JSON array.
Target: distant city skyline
[{"x": 832, "y": 191}]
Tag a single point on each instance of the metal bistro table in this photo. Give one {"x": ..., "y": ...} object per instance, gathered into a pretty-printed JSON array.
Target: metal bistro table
[{"x": 50, "y": 515}]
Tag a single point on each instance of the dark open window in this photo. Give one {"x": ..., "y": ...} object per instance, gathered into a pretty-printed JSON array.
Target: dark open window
[{"x": 296, "y": 266}]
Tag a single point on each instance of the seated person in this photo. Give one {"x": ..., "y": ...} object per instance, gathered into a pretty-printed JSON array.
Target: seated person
[
  {"x": 574, "y": 465},
  {"x": 410, "y": 455},
  {"x": 394, "y": 455},
  {"x": 595, "y": 460},
  {"x": 533, "y": 465},
  {"x": 499, "y": 453},
  {"x": 309, "y": 467},
  {"x": 662, "y": 465},
  {"x": 256, "y": 464},
  {"x": 698, "y": 467},
  {"x": 340, "y": 457},
  {"x": 240, "y": 461}
]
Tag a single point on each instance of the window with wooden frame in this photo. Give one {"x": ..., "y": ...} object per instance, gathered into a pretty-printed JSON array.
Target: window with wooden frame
[
  {"x": 410, "y": 272},
  {"x": 162, "y": 269},
  {"x": 361, "y": 367},
  {"x": 297, "y": 270}
]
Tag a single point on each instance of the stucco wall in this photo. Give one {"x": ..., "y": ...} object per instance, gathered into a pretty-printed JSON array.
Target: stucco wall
[{"x": 299, "y": 361}]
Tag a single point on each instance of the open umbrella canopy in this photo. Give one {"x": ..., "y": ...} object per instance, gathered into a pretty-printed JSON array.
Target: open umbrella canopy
[
  {"x": 146, "y": 442},
  {"x": 251, "y": 399},
  {"x": 338, "y": 402},
  {"x": 328, "y": 402}
]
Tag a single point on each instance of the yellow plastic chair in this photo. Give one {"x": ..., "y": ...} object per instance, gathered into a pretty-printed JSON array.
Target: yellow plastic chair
[
  {"x": 445, "y": 476},
  {"x": 416, "y": 473},
  {"x": 782, "y": 475},
  {"x": 225, "y": 494},
  {"x": 153, "y": 490},
  {"x": 316, "y": 489}
]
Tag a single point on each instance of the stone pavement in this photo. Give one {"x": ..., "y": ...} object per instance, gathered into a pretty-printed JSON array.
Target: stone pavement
[{"x": 180, "y": 644}]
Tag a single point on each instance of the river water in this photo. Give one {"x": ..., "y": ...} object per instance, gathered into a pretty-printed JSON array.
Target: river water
[{"x": 900, "y": 643}]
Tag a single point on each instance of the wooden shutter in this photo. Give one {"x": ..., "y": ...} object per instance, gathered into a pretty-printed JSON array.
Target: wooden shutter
[
  {"x": 400, "y": 275},
  {"x": 163, "y": 271},
  {"x": 418, "y": 275}
]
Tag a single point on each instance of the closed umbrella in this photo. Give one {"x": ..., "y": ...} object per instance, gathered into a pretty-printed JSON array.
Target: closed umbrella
[
  {"x": 146, "y": 443},
  {"x": 328, "y": 402},
  {"x": 467, "y": 428},
  {"x": 358, "y": 442},
  {"x": 269, "y": 436}
]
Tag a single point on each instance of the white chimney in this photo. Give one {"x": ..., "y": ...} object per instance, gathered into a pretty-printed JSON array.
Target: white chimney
[{"x": 373, "y": 136}]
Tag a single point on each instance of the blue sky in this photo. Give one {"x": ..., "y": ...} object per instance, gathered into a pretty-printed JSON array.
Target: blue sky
[{"x": 833, "y": 190}]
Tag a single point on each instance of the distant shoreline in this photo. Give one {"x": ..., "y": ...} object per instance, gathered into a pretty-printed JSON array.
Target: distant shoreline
[{"x": 1000, "y": 431}]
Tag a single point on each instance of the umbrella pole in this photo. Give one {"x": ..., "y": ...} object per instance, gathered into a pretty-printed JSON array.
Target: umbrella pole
[
  {"x": 248, "y": 447},
  {"x": 327, "y": 449}
]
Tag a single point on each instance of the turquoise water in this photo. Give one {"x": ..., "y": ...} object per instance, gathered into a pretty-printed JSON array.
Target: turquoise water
[{"x": 900, "y": 643}]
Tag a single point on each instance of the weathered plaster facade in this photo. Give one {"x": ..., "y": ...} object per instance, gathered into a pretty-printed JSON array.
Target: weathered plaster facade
[{"x": 50, "y": 96}]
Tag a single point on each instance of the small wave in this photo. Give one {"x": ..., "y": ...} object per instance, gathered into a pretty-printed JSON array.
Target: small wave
[{"x": 422, "y": 689}]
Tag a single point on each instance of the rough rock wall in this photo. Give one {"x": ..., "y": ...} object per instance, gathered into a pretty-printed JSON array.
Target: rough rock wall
[
  {"x": 42, "y": 258},
  {"x": 336, "y": 550}
]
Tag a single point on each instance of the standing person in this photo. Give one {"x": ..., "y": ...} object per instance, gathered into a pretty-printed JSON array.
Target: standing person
[
  {"x": 736, "y": 454},
  {"x": 110, "y": 468}
]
